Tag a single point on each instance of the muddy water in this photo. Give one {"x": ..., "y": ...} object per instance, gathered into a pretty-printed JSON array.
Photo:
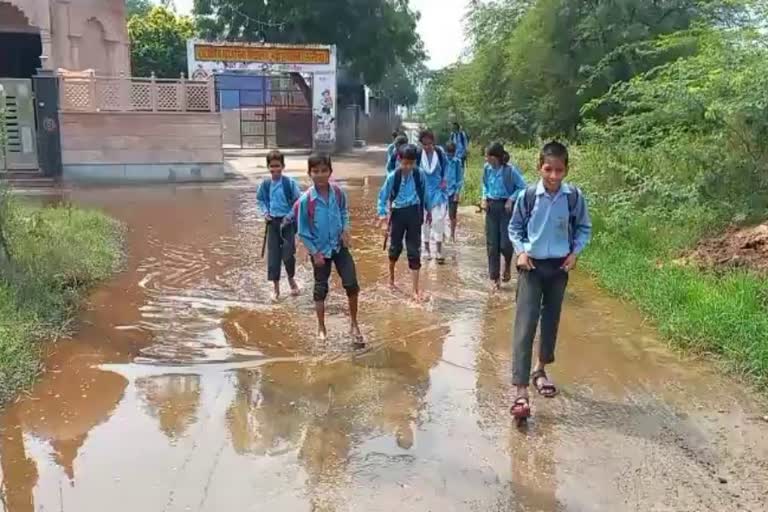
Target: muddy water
[{"x": 185, "y": 389}]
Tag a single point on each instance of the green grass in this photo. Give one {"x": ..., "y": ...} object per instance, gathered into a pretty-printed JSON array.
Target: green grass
[
  {"x": 56, "y": 254},
  {"x": 642, "y": 226}
]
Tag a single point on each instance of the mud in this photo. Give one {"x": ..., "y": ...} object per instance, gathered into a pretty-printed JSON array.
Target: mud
[
  {"x": 738, "y": 247},
  {"x": 185, "y": 389}
]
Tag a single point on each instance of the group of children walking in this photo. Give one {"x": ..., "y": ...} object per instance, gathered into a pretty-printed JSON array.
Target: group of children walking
[{"x": 546, "y": 224}]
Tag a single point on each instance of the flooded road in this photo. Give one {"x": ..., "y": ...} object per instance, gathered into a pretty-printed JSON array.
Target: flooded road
[{"x": 185, "y": 389}]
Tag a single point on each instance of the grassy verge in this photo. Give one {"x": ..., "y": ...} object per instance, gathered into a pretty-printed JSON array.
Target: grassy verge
[
  {"x": 54, "y": 255},
  {"x": 642, "y": 225}
]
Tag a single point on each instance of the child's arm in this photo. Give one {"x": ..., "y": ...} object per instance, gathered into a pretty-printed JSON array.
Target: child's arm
[
  {"x": 295, "y": 192},
  {"x": 305, "y": 231},
  {"x": 262, "y": 199},
  {"x": 386, "y": 190},
  {"x": 583, "y": 227},
  {"x": 485, "y": 182},
  {"x": 344, "y": 210},
  {"x": 517, "y": 226}
]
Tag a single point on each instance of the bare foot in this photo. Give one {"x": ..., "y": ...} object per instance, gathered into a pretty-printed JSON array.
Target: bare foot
[
  {"x": 357, "y": 337},
  {"x": 322, "y": 335},
  {"x": 495, "y": 286},
  {"x": 275, "y": 296},
  {"x": 393, "y": 286},
  {"x": 294, "y": 288}
]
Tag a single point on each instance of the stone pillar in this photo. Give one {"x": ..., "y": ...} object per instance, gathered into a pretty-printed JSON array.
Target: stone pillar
[{"x": 47, "y": 59}]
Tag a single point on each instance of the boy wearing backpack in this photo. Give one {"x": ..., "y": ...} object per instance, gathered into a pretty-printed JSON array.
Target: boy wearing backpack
[
  {"x": 394, "y": 156},
  {"x": 455, "y": 179},
  {"x": 501, "y": 185},
  {"x": 323, "y": 218},
  {"x": 433, "y": 165},
  {"x": 550, "y": 228},
  {"x": 403, "y": 197},
  {"x": 275, "y": 198},
  {"x": 460, "y": 138}
]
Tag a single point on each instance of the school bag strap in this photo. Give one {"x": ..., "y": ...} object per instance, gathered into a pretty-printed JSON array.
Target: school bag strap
[
  {"x": 529, "y": 202},
  {"x": 288, "y": 190},
  {"x": 398, "y": 181},
  {"x": 341, "y": 201}
]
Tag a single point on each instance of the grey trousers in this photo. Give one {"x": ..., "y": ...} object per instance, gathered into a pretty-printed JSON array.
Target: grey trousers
[
  {"x": 281, "y": 249},
  {"x": 540, "y": 294},
  {"x": 497, "y": 237}
]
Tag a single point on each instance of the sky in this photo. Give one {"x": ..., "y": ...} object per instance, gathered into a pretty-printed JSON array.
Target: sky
[{"x": 440, "y": 28}]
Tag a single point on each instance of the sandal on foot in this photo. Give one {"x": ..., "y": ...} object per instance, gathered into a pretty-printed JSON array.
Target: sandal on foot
[
  {"x": 521, "y": 409},
  {"x": 543, "y": 385}
]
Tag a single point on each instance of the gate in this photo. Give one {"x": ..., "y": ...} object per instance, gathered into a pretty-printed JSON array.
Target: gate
[
  {"x": 18, "y": 125},
  {"x": 264, "y": 112}
]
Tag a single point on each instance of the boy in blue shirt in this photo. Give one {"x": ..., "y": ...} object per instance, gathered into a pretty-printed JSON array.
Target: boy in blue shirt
[
  {"x": 455, "y": 179},
  {"x": 550, "y": 228},
  {"x": 393, "y": 157},
  {"x": 501, "y": 185},
  {"x": 276, "y": 196},
  {"x": 323, "y": 217},
  {"x": 403, "y": 196},
  {"x": 460, "y": 138}
]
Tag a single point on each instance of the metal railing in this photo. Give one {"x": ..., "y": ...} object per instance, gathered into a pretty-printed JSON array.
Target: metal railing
[{"x": 91, "y": 93}]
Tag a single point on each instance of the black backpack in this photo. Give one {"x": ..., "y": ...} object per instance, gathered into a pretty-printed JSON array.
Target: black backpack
[
  {"x": 287, "y": 190},
  {"x": 529, "y": 202},
  {"x": 398, "y": 180}
]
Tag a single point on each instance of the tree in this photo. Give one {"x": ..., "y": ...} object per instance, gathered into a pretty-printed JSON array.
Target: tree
[
  {"x": 159, "y": 42},
  {"x": 137, "y": 8},
  {"x": 372, "y": 36},
  {"x": 399, "y": 84}
]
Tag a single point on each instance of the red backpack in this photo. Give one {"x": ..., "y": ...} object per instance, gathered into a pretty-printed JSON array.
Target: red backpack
[{"x": 312, "y": 206}]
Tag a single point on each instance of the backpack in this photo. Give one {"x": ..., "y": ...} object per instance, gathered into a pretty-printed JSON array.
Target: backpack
[
  {"x": 287, "y": 190},
  {"x": 529, "y": 202},
  {"x": 398, "y": 180},
  {"x": 508, "y": 177},
  {"x": 312, "y": 203}
]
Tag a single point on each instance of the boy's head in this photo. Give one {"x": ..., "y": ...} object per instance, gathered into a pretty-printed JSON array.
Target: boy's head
[
  {"x": 495, "y": 154},
  {"x": 450, "y": 149},
  {"x": 456, "y": 127},
  {"x": 275, "y": 163},
  {"x": 408, "y": 154},
  {"x": 427, "y": 140},
  {"x": 505, "y": 160},
  {"x": 553, "y": 165},
  {"x": 395, "y": 135},
  {"x": 401, "y": 140},
  {"x": 319, "y": 169}
]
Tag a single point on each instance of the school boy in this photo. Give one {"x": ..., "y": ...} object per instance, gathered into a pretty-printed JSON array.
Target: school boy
[
  {"x": 550, "y": 228},
  {"x": 501, "y": 185},
  {"x": 401, "y": 206},
  {"x": 323, "y": 217},
  {"x": 455, "y": 180},
  {"x": 433, "y": 165},
  {"x": 460, "y": 138},
  {"x": 275, "y": 198},
  {"x": 400, "y": 141}
]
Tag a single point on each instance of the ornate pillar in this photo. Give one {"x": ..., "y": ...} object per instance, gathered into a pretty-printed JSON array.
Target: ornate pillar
[{"x": 47, "y": 59}]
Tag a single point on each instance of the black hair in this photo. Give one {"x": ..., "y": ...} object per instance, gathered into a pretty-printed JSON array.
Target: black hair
[
  {"x": 395, "y": 134},
  {"x": 496, "y": 149},
  {"x": 554, "y": 149},
  {"x": 400, "y": 140},
  {"x": 457, "y": 125},
  {"x": 275, "y": 155},
  {"x": 450, "y": 147},
  {"x": 505, "y": 159},
  {"x": 423, "y": 134},
  {"x": 318, "y": 159},
  {"x": 408, "y": 152}
]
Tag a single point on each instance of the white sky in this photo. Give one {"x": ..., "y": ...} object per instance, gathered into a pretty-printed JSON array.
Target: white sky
[{"x": 440, "y": 28}]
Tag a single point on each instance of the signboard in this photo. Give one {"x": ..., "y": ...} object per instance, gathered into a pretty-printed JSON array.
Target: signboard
[{"x": 205, "y": 58}]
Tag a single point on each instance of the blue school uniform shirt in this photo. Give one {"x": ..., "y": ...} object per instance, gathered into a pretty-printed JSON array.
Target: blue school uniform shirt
[
  {"x": 454, "y": 176},
  {"x": 273, "y": 201},
  {"x": 391, "y": 150},
  {"x": 494, "y": 186},
  {"x": 547, "y": 234},
  {"x": 330, "y": 220},
  {"x": 433, "y": 186},
  {"x": 407, "y": 196},
  {"x": 461, "y": 141}
]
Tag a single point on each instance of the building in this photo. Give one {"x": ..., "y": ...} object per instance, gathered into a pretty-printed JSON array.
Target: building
[{"x": 68, "y": 34}]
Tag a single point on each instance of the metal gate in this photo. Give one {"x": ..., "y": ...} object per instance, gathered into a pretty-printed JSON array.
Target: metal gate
[
  {"x": 273, "y": 111},
  {"x": 17, "y": 101}
]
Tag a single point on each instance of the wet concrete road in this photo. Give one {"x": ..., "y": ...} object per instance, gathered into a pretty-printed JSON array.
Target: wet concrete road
[{"x": 185, "y": 390}]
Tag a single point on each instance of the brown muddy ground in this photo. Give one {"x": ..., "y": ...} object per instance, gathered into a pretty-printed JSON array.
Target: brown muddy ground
[
  {"x": 738, "y": 247},
  {"x": 186, "y": 390}
]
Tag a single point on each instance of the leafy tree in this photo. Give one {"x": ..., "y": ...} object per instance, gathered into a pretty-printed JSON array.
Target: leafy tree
[
  {"x": 159, "y": 42},
  {"x": 137, "y": 7},
  {"x": 372, "y": 36}
]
